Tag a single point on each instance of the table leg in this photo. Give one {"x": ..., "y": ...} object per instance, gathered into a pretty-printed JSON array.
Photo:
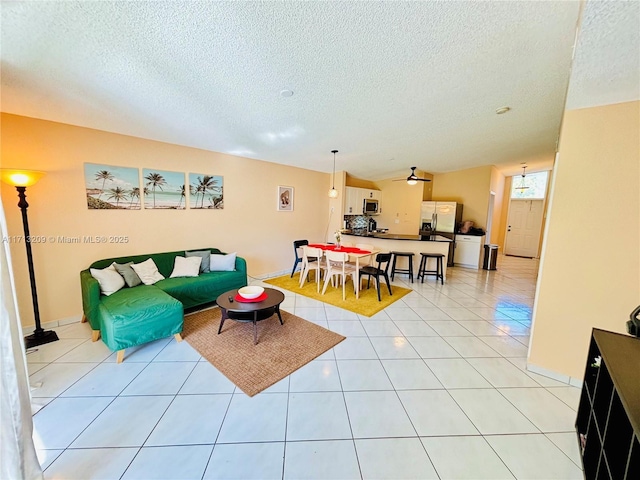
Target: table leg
[
  {"x": 278, "y": 312},
  {"x": 255, "y": 327},
  {"x": 358, "y": 275},
  {"x": 222, "y": 319}
]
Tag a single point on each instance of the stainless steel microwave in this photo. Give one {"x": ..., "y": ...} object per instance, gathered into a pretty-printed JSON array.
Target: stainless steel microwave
[{"x": 370, "y": 206}]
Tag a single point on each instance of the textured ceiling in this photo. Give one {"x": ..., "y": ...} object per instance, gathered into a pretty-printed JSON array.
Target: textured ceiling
[
  {"x": 606, "y": 67},
  {"x": 389, "y": 84}
]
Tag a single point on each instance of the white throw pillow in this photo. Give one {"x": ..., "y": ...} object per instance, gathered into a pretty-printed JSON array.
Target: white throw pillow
[
  {"x": 109, "y": 279},
  {"x": 222, "y": 263},
  {"x": 148, "y": 272},
  {"x": 186, "y": 267}
]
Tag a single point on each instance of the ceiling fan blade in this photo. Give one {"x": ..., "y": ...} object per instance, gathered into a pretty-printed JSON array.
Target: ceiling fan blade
[
  {"x": 416, "y": 179},
  {"x": 412, "y": 177}
]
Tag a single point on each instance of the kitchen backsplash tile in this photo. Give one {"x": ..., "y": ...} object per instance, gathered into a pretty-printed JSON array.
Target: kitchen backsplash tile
[{"x": 356, "y": 222}]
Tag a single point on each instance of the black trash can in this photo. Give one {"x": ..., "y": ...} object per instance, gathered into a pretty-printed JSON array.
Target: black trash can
[{"x": 490, "y": 257}]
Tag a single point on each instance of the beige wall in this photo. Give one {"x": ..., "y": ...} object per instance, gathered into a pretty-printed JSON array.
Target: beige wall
[
  {"x": 546, "y": 213},
  {"x": 427, "y": 187},
  {"x": 497, "y": 187},
  {"x": 471, "y": 187},
  {"x": 359, "y": 183},
  {"x": 336, "y": 208},
  {"x": 400, "y": 202},
  {"x": 249, "y": 223},
  {"x": 590, "y": 265},
  {"x": 506, "y": 198}
]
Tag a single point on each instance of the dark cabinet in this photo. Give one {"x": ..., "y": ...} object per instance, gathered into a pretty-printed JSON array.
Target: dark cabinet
[{"x": 608, "y": 420}]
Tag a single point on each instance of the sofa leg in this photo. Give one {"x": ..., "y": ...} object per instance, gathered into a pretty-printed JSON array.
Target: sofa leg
[
  {"x": 120, "y": 356},
  {"x": 95, "y": 335},
  {"x": 178, "y": 337},
  {"x": 84, "y": 319}
]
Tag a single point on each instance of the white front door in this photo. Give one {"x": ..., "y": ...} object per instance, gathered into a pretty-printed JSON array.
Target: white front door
[{"x": 523, "y": 229}]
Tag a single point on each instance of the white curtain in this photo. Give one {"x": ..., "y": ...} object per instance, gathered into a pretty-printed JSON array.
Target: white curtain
[{"x": 18, "y": 458}]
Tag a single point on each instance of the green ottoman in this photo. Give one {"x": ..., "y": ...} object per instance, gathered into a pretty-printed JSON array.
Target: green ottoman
[{"x": 139, "y": 315}]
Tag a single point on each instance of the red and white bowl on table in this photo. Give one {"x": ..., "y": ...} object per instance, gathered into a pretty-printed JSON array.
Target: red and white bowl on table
[{"x": 250, "y": 292}]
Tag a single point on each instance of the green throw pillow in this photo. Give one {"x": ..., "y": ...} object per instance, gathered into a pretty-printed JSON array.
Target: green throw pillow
[
  {"x": 131, "y": 278},
  {"x": 204, "y": 254}
]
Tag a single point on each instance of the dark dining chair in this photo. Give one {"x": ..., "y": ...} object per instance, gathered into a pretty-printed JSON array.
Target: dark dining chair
[
  {"x": 382, "y": 270},
  {"x": 296, "y": 246}
]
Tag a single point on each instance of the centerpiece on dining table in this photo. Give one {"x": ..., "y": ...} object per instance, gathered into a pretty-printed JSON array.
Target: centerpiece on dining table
[{"x": 338, "y": 237}]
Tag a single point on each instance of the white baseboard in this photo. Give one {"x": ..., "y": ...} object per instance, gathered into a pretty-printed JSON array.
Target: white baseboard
[
  {"x": 70, "y": 320},
  {"x": 576, "y": 382},
  {"x": 559, "y": 377},
  {"x": 271, "y": 275},
  {"x": 28, "y": 330}
]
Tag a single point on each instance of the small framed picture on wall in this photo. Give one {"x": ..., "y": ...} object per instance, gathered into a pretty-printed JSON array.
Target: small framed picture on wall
[{"x": 285, "y": 199}]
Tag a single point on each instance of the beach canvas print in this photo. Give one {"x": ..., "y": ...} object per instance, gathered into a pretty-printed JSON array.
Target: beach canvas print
[
  {"x": 206, "y": 191},
  {"x": 163, "y": 189},
  {"x": 111, "y": 187}
]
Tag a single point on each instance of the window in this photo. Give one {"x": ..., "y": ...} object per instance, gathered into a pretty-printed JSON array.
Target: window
[{"x": 536, "y": 183}]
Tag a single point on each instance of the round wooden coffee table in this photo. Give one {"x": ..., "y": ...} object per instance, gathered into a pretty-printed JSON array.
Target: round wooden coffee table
[{"x": 250, "y": 311}]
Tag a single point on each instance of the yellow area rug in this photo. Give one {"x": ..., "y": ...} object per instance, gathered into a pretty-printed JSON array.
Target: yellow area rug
[
  {"x": 281, "y": 349},
  {"x": 367, "y": 305}
]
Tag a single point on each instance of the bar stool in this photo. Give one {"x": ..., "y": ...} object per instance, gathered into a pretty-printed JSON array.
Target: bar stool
[
  {"x": 438, "y": 272},
  {"x": 409, "y": 270}
]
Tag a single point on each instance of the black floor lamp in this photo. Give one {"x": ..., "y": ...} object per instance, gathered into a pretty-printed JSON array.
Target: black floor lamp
[{"x": 21, "y": 179}]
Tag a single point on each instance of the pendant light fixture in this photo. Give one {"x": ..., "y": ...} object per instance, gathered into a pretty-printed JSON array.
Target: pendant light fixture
[
  {"x": 522, "y": 186},
  {"x": 333, "y": 193}
]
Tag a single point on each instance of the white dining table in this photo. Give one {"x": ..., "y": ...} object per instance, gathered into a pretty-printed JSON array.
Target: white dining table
[{"x": 356, "y": 255}]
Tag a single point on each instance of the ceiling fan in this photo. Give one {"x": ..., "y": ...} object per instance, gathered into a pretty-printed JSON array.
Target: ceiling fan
[{"x": 413, "y": 178}]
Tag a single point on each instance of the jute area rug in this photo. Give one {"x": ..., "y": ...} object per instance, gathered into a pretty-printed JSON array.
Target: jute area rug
[
  {"x": 281, "y": 349},
  {"x": 367, "y": 305}
]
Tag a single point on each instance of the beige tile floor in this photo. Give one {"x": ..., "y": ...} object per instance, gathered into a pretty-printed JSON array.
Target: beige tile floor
[{"x": 434, "y": 386}]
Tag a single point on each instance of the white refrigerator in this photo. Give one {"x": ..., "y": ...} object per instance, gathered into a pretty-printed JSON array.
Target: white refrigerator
[{"x": 441, "y": 218}]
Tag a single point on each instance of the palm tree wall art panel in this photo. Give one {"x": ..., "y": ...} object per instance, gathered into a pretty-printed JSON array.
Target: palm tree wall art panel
[
  {"x": 163, "y": 190},
  {"x": 206, "y": 191},
  {"x": 112, "y": 187}
]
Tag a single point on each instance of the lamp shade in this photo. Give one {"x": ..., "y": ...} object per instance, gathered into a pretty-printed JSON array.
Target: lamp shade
[{"x": 20, "y": 178}]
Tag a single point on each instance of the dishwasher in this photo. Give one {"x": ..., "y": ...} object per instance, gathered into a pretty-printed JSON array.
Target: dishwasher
[{"x": 468, "y": 251}]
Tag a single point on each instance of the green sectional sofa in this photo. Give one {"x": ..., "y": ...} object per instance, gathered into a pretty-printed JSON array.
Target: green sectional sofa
[{"x": 136, "y": 315}]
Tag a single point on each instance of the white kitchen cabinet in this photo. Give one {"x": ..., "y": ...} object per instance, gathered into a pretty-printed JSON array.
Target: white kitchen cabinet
[
  {"x": 359, "y": 201},
  {"x": 377, "y": 194},
  {"x": 468, "y": 251},
  {"x": 354, "y": 199},
  {"x": 347, "y": 200},
  {"x": 371, "y": 194},
  {"x": 352, "y": 205}
]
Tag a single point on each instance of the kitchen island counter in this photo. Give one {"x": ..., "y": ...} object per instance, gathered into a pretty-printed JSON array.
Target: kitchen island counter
[
  {"x": 397, "y": 236},
  {"x": 388, "y": 242}
]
